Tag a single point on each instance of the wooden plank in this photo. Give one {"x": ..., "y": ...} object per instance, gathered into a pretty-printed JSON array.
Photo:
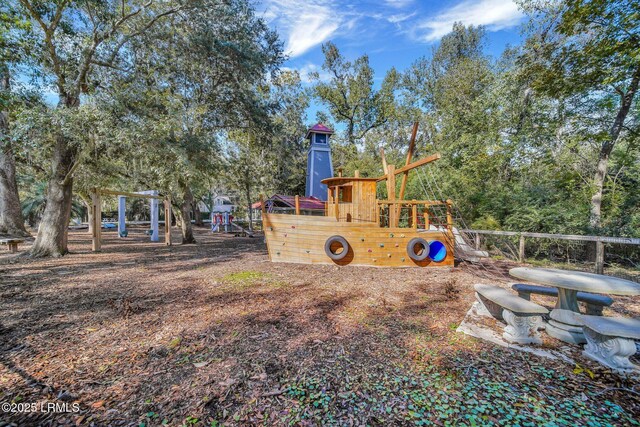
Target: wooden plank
[
  {"x": 302, "y": 233},
  {"x": 266, "y": 223},
  {"x": 414, "y": 215},
  {"x": 262, "y": 207},
  {"x": 384, "y": 161},
  {"x": 167, "y": 221},
  {"x": 411, "y": 166},
  {"x": 127, "y": 194},
  {"x": 297, "y": 202},
  {"x": 416, "y": 202},
  {"x": 405, "y": 175},
  {"x": 391, "y": 193},
  {"x": 96, "y": 235},
  {"x": 599, "y": 258},
  {"x": 365, "y": 241},
  {"x": 291, "y": 243},
  {"x": 426, "y": 218},
  {"x": 310, "y": 256},
  {"x": 295, "y": 241},
  {"x": 575, "y": 237}
]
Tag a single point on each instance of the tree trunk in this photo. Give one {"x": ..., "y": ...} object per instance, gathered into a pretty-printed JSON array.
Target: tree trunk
[
  {"x": 11, "y": 219},
  {"x": 53, "y": 229},
  {"x": 197, "y": 214},
  {"x": 607, "y": 148},
  {"x": 183, "y": 216},
  {"x": 54, "y": 226}
]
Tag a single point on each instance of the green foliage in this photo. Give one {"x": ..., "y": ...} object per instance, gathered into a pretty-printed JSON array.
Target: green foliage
[
  {"x": 511, "y": 157},
  {"x": 34, "y": 202},
  {"x": 195, "y": 105},
  {"x": 448, "y": 397},
  {"x": 350, "y": 95}
]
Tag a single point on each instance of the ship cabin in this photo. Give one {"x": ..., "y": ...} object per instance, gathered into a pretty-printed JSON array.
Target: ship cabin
[{"x": 353, "y": 199}]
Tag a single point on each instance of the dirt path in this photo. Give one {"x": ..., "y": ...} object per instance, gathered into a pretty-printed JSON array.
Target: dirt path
[{"x": 214, "y": 333}]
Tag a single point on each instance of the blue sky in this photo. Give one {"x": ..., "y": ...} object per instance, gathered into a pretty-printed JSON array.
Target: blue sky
[{"x": 391, "y": 32}]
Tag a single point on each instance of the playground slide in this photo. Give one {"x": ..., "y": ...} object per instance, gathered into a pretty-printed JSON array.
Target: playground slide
[
  {"x": 242, "y": 229},
  {"x": 464, "y": 251}
]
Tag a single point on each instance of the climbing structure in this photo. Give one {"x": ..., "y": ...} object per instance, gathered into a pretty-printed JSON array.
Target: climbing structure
[{"x": 359, "y": 229}]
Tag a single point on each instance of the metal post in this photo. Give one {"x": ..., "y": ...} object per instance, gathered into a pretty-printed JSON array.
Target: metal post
[
  {"x": 122, "y": 211},
  {"x": 153, "y": 204}
]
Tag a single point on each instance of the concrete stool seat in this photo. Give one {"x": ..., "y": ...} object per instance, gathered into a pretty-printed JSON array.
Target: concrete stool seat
[
  {"x": 610, "y": 341},
  {"x": 522, "y": 317},
  {"x": 12, "y": 244},
  {"x": 595, "y": 303}
]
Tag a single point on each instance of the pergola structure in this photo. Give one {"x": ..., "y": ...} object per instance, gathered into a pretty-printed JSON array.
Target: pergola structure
[{"x": 96, "y": 206}]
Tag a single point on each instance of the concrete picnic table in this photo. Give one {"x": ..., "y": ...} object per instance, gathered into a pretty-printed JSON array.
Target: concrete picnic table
[{"x": 565, "y": 324}]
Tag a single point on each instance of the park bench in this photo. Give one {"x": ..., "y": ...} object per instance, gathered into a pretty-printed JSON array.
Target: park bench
[
  {"x": 12, "y": 244},
  {"x": 595, "y": 303},
  {"x": 610, "y": 341},
  {"x": 522, "y": 317}
]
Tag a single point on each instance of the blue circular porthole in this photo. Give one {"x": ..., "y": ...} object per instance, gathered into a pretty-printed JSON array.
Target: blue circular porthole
[{"x": 437, "y": 251}]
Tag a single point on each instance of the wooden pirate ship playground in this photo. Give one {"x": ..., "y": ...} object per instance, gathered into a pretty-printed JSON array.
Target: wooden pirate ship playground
[{"x": 359, "y": 229}]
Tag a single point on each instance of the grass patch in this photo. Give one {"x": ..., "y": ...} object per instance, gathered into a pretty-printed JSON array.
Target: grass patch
[
  {"x": 245, "y": 279},
  {"x": 244, "y": 276}
]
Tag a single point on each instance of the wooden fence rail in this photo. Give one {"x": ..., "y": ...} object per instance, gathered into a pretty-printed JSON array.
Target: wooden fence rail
[{"x": 600, "y": 241}]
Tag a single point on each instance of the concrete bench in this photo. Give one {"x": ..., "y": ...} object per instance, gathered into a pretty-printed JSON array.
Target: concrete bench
[
  {"x": 610, "y": 341},
  {"x": 12, "y": 244},
  {"x": 522, "y": 317},
  {"x": 595, "y": 303}
]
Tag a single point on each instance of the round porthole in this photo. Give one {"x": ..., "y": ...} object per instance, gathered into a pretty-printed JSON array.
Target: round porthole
[{"x": 437, "y": 251}]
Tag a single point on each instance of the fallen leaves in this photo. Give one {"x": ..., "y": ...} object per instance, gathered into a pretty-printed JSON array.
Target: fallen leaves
[{"x": 335, "y": 346}]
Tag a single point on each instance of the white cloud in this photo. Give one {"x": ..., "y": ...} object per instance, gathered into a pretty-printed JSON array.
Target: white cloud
[
  {"x": 304, "y": 24},
  {"x": 494, "y": 14},
  {"x": 398, "y": 4},
  {"x": 400, "y": 17}
]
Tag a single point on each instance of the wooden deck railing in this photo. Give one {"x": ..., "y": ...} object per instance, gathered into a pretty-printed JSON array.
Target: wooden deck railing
[{"x": 395, "y": 205}]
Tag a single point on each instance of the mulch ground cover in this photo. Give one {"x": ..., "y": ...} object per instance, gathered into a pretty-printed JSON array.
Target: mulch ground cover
[{"x": 214, "y": 334}]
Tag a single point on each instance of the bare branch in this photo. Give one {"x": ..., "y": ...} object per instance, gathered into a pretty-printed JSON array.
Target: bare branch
[
  {"x": 35, "y": 15},
  {"x": 107, "y": 65}
]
